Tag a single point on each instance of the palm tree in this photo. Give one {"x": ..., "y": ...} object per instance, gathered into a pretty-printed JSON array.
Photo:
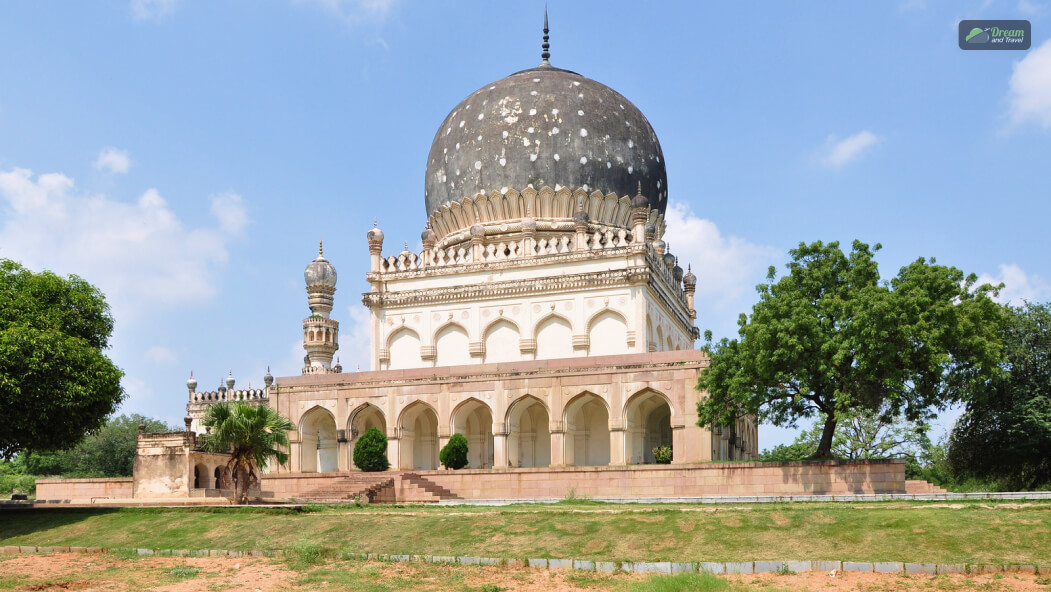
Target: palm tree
[{"x": 252, "y": 435}]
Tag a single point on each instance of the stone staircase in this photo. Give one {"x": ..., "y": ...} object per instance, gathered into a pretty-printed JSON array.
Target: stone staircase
[
  {"x": 418, "y": 489},
  {"x": 920, "y": 486},
  {"x": 374, "y": 486}
]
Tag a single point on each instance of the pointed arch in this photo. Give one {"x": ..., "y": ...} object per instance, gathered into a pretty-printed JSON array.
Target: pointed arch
[
  {"x": 554, "y": 337},
  {"x": 502, "y": 339},
  {"x": 452, "y": 342},
  {"x": 607, "y": 333},
  {"x": 528, "y": 432},
  {"x": 318, "y": 445},
  {"x": 417, "y": 429},
  {"x": 404, "y": 347},
  {"x": 647, "y": 424},
  {"x": 473, "y": 418},
  {"x": 586, "y": 425}
]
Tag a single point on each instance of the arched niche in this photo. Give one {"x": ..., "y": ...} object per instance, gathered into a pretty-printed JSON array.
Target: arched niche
[
  {"x": 587, "y": 431},
  {"x": 474, "y": 420},
  {"x": 607, "y": 334},
  {"x": 364, "y": 417},
  {"x": 528, "y": 438},
  {"x": 404, "y": 348},
  {"x": 554, "y": 338},
  {"x": 452, "y": 346},
  {"x": 502, "y": 342},
  {"x": 647, "y": 425},
  {"x": 318, "y": 446},
  {"x": 418, "y": 437}
]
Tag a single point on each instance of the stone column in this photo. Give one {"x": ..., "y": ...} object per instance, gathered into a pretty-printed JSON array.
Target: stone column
[
  {"x": 500, "y": 451},
  {"x": 394, "y": 452},
  {"x": 558, "y": 446},
  {"x": 617, "y": 446}
]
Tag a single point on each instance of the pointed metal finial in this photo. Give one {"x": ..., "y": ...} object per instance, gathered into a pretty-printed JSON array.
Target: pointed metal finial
[
  {"x": 546, "y": 54},
  {"x": 640, "y": 188},
  {"x": 375, "y": 222},
  {"x": 320, "y": 248}
]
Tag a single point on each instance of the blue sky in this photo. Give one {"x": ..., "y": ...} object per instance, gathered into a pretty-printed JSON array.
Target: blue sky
[{"x": 187, "y": 156}]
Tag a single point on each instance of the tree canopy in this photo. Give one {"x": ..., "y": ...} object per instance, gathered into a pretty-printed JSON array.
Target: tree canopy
[
  {"x": 252, "y": 435},
  {"x": 1005, "y": 432},
  {"x": 56, "y": 385},
  {"x": 109, "y": 452},
  {"x": 831, "y": 338}
]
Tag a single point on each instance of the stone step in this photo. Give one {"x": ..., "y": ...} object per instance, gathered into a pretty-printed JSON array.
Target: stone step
[{"x": 430, "y": 487}]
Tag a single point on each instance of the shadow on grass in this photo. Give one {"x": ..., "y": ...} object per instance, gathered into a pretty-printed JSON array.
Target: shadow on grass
[{"x": 22, "y": 522}]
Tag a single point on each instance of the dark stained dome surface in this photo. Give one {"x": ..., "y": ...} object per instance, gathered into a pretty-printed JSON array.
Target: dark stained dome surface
[{"x": 545, "y": 126}]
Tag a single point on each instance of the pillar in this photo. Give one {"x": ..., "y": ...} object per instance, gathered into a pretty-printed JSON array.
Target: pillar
[
  {"x": 558, "y": 446},
  {"x": 617, "y": 446}
]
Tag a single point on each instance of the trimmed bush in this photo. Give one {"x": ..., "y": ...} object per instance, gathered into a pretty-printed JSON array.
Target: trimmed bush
[
  {"x": 662, "y": 455},
  {"x": 370, "y": 452},
  {"x": 454, "y": 454}
]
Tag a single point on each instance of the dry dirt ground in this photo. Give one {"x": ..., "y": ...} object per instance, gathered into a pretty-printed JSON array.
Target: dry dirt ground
[{"x": 76, "y": 571}]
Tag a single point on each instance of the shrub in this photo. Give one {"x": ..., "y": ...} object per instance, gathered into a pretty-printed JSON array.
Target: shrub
[
  {"x": 454, "y": 454},
  {"x": 370, "y": 452},
  {"x": 662, "y": 455}
]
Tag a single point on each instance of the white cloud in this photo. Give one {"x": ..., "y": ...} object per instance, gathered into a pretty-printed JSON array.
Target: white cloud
[
  {"x": 139, "y": 254},
  {"x": 839, "y": 152},
  {"x": 357, "y": 12},
  {"x": 113, "y": 160},
  {"x": 228, "y": 208},
  {"x": 1030, "y": 94},
  {"x": 727, "y": 268},
  {"x": 159, "y": 354},
  {"x": 152, "y": 10},
  {"x": 1019, "y": 286}
]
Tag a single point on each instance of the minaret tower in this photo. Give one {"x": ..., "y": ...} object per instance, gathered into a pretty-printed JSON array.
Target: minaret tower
[{"x": 320, "y": 333}]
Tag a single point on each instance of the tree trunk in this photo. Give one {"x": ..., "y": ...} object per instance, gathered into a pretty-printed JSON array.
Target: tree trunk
[
  {"x": 824, "y": 447},
  {"x": 241, "y": 485}
]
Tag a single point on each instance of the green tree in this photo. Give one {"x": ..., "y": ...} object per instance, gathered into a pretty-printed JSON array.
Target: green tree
[
  {"x": 370, "y": 451},
  {"x": 56, "y": 385},
  {"x": 1005, "y": 431},
  {"x": 109, "y": 452},
  {"x": 830, "y": 338},
  {"x": 252, "y": 435},
  {"x": 454, "y": 454}
]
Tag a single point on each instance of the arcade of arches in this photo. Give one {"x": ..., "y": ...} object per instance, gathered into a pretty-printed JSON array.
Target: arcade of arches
[{"x": 577, "y": 413}]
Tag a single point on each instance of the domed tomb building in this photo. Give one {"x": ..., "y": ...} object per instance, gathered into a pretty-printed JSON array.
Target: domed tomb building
[{"x": 545, "y": 318}]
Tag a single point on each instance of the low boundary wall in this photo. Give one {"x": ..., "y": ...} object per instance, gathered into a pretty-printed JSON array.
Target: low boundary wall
[
  {"x": 618, "y": 482},
  {"x": 678, "y": 481},
  {"x": 70, "y": 489}
]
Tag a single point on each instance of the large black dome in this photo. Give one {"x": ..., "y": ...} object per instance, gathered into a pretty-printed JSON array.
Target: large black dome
[{"x": 545, "y": 127}]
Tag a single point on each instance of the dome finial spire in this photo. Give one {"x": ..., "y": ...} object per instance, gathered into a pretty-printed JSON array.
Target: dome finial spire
[
  {"x": 546, "y": 54},
  {"x": 320, "y": 248}
]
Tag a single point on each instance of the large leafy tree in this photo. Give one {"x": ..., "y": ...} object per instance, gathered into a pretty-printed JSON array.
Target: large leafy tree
[
  {"x": 252, "y": 435},
  {"x": 1005, "y": 432},
  {"x": 56, "y": 384},
  {"x": 831, "y": 338},
  {"x": 861, "y": 435}
]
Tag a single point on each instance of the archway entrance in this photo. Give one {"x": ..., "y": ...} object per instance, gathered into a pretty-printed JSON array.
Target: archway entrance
[
  {"x": 528, "y": 439},
  {"x": 647, "y": 423},
  {"x": 587, "y": 431},
  {"x": 474, "y": 420},
  {"x": 418, "y": 438},
  {"x": 318, "y": 446},
  {"x": 367, "y": 416}
]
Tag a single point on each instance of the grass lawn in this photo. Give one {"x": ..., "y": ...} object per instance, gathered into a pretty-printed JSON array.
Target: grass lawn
[{"x": 970, "y": 532}]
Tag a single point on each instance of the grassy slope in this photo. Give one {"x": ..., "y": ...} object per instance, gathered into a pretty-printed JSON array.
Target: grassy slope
[{"x": 915, "y": 532}]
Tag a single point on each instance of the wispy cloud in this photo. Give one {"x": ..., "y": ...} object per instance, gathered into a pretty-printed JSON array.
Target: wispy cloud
[
  {"x": 1019, "y": 286},
  {"x": 1030, "y": 94},
  {"x": 113, "y": 161},
  {"x": 140, "y": 254},
  {"x": 727, "y": 267},
  {"x": 159, "y": 354},
  {"x": 838, "y": 152},
  {"x": 1030, "y": 8},
  {"x": 152, "y": 10}
]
